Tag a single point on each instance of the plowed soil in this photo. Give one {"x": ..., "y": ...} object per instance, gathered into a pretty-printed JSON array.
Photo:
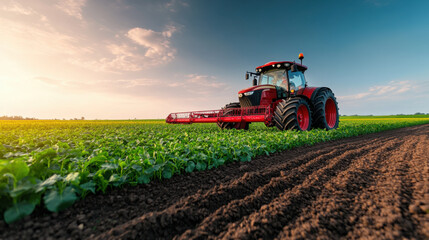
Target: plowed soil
[{"x": 374, "y": 186}]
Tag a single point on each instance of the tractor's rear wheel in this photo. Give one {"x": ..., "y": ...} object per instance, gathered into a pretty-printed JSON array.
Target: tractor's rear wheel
[
  {"x": 293, "y": 114},
  {"x": 325, "y": 110},
  {"x": 231, "y": 125}
]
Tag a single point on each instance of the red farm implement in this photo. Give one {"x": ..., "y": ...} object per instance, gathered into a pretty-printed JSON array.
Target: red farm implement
[
  {"x": 238, "y": 116},
  {"x": 279, "y": 97}
]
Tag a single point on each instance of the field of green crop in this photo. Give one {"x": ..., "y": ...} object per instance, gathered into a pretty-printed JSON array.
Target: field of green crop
[{"x": 52, "y": 164}]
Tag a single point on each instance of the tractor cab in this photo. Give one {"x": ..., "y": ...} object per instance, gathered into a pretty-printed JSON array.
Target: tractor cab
[
  {"x": 283, "y": 77},
  {"x": 273, "y": 81}
]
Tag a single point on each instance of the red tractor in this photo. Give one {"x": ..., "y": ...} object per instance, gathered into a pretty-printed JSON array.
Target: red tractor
[{"x": 279, "y": 97}]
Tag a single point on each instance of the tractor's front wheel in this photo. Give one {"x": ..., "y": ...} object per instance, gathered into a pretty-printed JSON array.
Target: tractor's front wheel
[
  {"x": 325, "y": 113},
  {"x": 231, "y": 125},
  {"x": 293, "y": 114}
]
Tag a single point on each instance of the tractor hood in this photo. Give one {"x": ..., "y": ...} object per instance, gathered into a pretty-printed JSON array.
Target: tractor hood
[
  {"x": 257, "y": 95},
  {"x": 259, "y": 87}
]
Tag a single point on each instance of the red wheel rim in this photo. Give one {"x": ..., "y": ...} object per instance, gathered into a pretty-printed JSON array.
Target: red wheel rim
[
  {"x": 330, "y": 112},
  {"x": 303, "y": 117}
]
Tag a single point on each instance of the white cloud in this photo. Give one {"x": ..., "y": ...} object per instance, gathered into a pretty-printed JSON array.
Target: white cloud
[
  {"x": 142, "y": 82},
  {"x": 72, "y": 7},
  {"x": 35, "y": 39},
  {"x": 198, "y": 86},
  {"x": 390, "y": 90},
  {"x": 18, "y": 8},
  {"x": 157, "y": 44},
  {"x": 118, "y": 86},
  {"x": 204, "y": 81},
  {"x": 122, "y": 50},
  {"x": 408, "y": 96},
  {"x": 124, "y": 58},
  {"x": 147, "y": 48}
]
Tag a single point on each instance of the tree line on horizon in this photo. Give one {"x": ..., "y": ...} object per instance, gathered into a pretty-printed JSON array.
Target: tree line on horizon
[
  {"x": 16, "y": 118},
  {"x": 27, "y": 118}
]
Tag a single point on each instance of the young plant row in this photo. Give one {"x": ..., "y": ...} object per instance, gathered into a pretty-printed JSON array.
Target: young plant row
[{"x": 54, "y": 163}]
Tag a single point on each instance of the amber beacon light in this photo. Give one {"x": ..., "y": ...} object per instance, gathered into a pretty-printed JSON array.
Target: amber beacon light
[{"x": 301, "y": 56}]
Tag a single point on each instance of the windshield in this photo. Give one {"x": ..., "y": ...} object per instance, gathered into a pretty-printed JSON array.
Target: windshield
[{"x": 275, "y": 77}]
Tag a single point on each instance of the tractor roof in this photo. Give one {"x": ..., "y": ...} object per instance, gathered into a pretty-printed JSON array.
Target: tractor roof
[{"x": 271, "y": 64}]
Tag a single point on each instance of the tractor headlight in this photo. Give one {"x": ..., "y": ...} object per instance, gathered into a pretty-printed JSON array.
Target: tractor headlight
[
  {"x": 240, "y": 95},
  {"x": 248, "y": 93}
]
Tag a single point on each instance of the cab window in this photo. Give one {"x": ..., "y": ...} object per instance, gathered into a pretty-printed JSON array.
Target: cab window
[
  {"x": 275, "y": 77},
  {"x": 296, "y": 79}
]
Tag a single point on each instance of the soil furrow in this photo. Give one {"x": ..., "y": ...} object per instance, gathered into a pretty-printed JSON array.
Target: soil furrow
[
  {"x": 235, "y": 210},
  {"x": 380, "y": 212},
  {"x": 330, "y": 215},
  {"x": 418, "y": 208},
  {"x": 269, "y": 220}
]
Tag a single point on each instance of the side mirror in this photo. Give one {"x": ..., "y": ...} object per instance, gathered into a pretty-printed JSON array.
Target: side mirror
[
  {"x": 255, "y": 82},
  {"x": 294, "y": 68},
  {"x": 247, "y": 76}
]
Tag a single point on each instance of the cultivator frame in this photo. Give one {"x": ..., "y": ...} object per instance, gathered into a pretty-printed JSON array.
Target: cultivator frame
[{"x": 234, "y": 115}]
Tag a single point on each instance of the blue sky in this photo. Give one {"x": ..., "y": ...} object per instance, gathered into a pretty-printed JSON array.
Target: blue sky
[{"x": 144, "y": 59}]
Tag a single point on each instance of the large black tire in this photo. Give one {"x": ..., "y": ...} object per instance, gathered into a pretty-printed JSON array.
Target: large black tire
[
  {"x": 325, "y": 110},
  {"x": 229, "y": 125},
  {"x": 293, "y": 114}
]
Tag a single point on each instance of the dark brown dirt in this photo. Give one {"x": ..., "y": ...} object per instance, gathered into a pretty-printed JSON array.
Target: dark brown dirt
[{"x": 374, "y": 186}]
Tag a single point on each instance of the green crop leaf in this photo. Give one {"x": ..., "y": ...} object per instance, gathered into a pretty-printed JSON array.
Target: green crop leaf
[
  {"x": 19, "y": 169},
  {"x": 109, "y": 166},
  {"x": 190, "y": 167},
  {"x": 10, "y": 176},
  {"x": 137, "y": 168},
  {"x": 20, "y": 189},
  {"x": 114, "y": 177},
  {"x": 117, "y": 180},
  {"x": 3, "y": 164},
  {"x": 153, "y": 169},
  {"x": 56, "y": 201},
  {"x": 18, "y": 211},
  {"x": 89, "y": 186},
  {"x": 72, "y": 178},
  {"x": 48, "y": 182},
  {"x": 46, "y": 154},
  {"x": 246, "y": 158},
  {"x": 201, "y": 166},
  {"x": 143, "y": 179},
  {"x": 167, "y": 173},
  {"x": 122, "y": 164}
]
